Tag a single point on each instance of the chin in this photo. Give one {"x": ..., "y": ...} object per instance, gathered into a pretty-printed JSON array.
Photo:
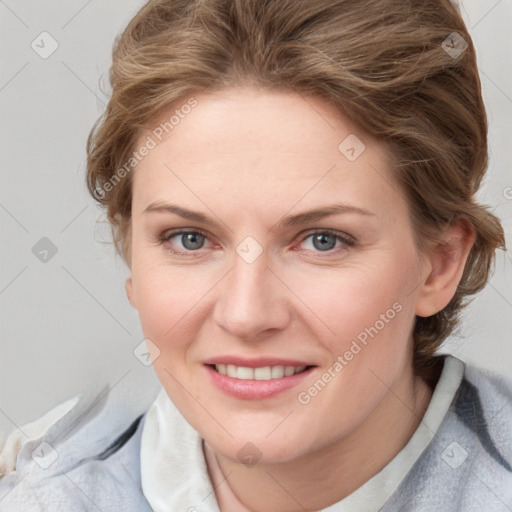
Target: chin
[
  {"x": 262, "y": 440},
  {"x": 259, "y": 451}
]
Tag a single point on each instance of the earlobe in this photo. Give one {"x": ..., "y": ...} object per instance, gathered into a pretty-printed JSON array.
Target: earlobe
[
  {"x": 447, "y": 261},
  {"x": 129, "y": 292}
]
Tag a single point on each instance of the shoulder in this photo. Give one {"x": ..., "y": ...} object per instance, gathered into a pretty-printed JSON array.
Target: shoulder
[
  {"x": 12, "y": 443},
  {"x": 483, "y": 406},
  {"x": 83, "y": 454},
  {"x": 468, "y": 464},
  {"x": 494, "y": 388},
  {"x": 477, "y": 450}
]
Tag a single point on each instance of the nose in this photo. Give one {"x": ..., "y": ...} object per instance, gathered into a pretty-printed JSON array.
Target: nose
[{"x": 251, "y": 300}]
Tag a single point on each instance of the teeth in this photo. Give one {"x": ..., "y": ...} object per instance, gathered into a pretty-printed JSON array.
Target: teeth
[
  {"x": 288, "y": 371},
  {"x": 261, "y": 373},
  {"x": 277, "y": 372},
  {"x": 264, "y": 373},
  {"x": 244, "y": 373}
]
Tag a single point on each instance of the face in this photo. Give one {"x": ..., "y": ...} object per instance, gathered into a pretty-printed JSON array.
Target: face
[{"x": 273, "y": 266}]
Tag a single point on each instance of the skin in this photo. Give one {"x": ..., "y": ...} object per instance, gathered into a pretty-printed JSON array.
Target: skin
[{"x": 246, "y": 158}]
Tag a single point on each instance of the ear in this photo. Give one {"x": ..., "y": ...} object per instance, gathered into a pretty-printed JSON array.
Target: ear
[
  {"x": 447, "y": 260},
  {"x": 129, "y": 292}
]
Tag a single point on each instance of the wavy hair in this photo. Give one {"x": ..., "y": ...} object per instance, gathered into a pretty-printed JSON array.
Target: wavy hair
[{"x": 403, "y": 71}]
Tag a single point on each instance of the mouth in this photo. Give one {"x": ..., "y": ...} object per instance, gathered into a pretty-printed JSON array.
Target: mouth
[
  {"x": 258, "y": 373},
  {"x": 256, "y": 379}
]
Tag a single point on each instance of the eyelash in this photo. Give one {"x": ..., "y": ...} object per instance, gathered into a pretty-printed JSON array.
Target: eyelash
[{"x": 345, "y": 239}]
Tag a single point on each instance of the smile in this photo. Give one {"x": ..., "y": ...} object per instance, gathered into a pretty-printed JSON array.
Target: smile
[
  {"x": 259, "y": 373},
  {"x": 256, "y": 378}
]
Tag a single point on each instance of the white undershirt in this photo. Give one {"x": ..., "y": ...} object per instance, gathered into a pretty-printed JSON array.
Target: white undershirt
[{"x": 175, "y": 476}]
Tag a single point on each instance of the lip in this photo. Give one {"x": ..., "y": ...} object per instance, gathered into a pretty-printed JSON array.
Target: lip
[{"x": 250, "y": 389}]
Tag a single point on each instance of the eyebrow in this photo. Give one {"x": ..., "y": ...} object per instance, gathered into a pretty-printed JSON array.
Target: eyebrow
[{"x": 291, "y": 220}]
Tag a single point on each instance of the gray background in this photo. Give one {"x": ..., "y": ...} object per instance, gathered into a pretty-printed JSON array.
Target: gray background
[{"x": 65, "y": 323}]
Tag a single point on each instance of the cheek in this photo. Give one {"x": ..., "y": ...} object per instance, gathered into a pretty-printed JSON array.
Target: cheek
[
  {"x": 353, "y": 300},
  {"x": 371, "y": 312},
  {"x": 168, "y": 309},
  {"x": 382, "y": 327},
  {"x": 163, "y": 296}
]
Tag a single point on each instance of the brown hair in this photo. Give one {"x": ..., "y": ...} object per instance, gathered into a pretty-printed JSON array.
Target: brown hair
[{"x": 403, "y": 70}]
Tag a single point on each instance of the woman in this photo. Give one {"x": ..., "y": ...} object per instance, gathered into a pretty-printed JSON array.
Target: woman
[{"x": 292, "y": 185}]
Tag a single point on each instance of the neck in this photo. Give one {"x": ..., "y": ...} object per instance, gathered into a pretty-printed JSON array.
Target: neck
[{"x": 319, "y": 479}]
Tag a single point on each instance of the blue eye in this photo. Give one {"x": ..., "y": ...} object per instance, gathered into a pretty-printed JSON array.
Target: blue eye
[
  {"x": 191, "y": 240},
  {"x": 325, "y": 241}
]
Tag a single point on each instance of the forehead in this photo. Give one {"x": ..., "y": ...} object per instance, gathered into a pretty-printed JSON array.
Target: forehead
[{"x": 256, "y": 143}]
